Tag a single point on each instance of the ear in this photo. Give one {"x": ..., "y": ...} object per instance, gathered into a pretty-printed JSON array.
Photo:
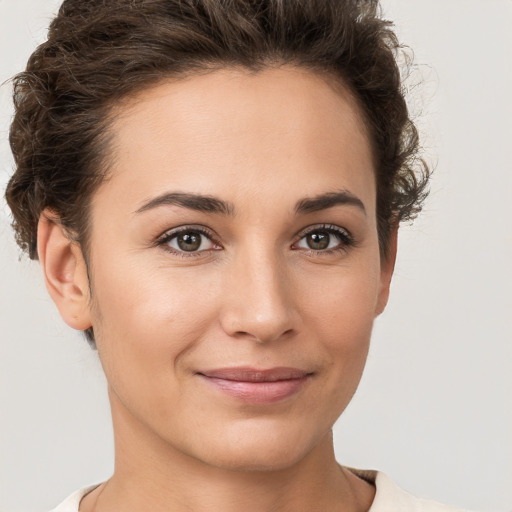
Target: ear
[
  {"x": 386, "y": 270},
  {"x": 65, "y": 271}
]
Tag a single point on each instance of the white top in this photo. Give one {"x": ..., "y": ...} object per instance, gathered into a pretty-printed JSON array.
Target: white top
[{"x": 388, "y": 497}]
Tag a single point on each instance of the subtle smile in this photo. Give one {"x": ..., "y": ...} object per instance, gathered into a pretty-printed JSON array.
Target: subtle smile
[{"x": 257, "y": 386}]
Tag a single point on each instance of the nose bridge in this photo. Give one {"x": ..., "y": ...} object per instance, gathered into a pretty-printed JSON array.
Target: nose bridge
[{"x": 258, "y": 303}]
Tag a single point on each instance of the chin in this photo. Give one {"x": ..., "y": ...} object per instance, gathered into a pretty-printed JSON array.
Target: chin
[
  {"x": 260, "y": 449},
  {"x": 257, "y": 460}
]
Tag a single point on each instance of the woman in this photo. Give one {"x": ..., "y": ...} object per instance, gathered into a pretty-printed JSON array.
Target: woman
[{"x": 214, "y": 190}]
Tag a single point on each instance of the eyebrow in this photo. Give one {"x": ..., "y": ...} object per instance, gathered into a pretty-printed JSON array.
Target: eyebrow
[
  {"x": 210, "y": 204},
  {"x": 328, "y": 200},
  {"x": 198, "y": 202}
]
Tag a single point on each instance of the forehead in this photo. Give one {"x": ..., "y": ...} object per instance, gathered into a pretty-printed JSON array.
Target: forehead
[{"x": 240, "y": 133}]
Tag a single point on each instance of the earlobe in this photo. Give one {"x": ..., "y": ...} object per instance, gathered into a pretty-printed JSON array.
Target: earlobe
[
  {"x": 386, "y": 271},
  {"x": 64, "y": 271}
]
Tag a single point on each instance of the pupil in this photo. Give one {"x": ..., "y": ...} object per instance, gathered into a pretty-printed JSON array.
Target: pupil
[
  {"x": 189, "y": 241},
  {"x": 319, "y": 240}
]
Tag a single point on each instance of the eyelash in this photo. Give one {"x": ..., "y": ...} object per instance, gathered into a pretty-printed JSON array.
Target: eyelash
[
  {"x": 346, "y": 240},
  {"x": 164, "y": 239},
  {"x": 345, "y": 237}
]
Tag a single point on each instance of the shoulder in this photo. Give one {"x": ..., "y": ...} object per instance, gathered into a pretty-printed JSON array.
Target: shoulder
[
  {"x": 391, "y": 498},
  {"x": 72, "y": 502}
]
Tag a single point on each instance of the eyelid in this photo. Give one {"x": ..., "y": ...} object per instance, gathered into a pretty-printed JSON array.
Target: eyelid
[
  {"x": 169, "y": 234},
  {"x": 186, "y": 227},
  {"x": 332, "y": 228},
  {"x": 347, "y": 240}
]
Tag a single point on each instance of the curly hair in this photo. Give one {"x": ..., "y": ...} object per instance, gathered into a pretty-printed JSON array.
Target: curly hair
[{"x": 101, "y": 51}]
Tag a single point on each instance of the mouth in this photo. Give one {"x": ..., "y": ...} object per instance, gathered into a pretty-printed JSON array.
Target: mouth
[{"x": 258, "y": 386}]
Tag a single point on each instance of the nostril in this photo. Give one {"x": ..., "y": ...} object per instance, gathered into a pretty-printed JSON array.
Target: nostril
[{"x": 260, "y": 336}]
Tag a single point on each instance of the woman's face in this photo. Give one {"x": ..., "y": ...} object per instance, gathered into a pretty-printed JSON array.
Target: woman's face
[{"x": 235, "y": 265}]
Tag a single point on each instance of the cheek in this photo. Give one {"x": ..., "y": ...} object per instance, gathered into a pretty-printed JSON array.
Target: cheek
[
  {"x": 146, "y": 320},
  {"x": 343, "y": 302},
  {"x": 340, "y": 312},
  {"x": 147, "y": 324}
]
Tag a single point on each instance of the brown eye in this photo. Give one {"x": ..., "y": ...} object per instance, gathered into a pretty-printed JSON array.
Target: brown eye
[
  {"x": 189, "y": 241},
  {"x": 319, "y": 240},
  {"x": 325, "y": 239}
]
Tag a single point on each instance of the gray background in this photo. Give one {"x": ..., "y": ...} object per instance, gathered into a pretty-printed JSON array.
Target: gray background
[{"x": 434, "y": 408}]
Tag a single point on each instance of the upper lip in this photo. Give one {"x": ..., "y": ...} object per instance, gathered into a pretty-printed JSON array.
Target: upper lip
[{"x": 248, "y": 374}]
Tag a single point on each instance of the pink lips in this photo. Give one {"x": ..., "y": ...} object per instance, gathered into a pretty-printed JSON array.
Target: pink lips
[{"x": 257, "y": 386}]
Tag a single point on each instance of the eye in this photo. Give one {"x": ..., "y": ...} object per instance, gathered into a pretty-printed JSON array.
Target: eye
[
  {"x": 188, "y": 240},
  {"x": 325, "y": 239}
]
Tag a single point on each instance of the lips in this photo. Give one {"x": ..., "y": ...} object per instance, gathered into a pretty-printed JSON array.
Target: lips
[{"x": 257, "y": 386}]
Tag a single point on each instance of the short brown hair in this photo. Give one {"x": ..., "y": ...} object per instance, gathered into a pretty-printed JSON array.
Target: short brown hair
[{"x": 100, "y": 51}]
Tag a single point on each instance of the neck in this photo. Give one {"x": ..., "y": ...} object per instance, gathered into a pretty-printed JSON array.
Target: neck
[{"x": 151, "y": 475}]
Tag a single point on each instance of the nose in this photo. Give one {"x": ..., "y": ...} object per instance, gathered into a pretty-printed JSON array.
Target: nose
[{"x": 258, "y": 301}]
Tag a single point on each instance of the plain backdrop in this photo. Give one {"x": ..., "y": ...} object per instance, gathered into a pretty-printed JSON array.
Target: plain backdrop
[{"x": 434, "y": 407}]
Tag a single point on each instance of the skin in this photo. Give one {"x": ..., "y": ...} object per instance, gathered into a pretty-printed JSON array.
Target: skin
[{"x": 257, "y": 295}]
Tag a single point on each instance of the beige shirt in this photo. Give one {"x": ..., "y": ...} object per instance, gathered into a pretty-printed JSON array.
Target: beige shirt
[{"x": 388, "y": 497}]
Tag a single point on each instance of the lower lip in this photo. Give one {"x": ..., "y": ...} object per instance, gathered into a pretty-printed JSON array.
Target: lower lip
[{"x": 258, "y": 392}]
